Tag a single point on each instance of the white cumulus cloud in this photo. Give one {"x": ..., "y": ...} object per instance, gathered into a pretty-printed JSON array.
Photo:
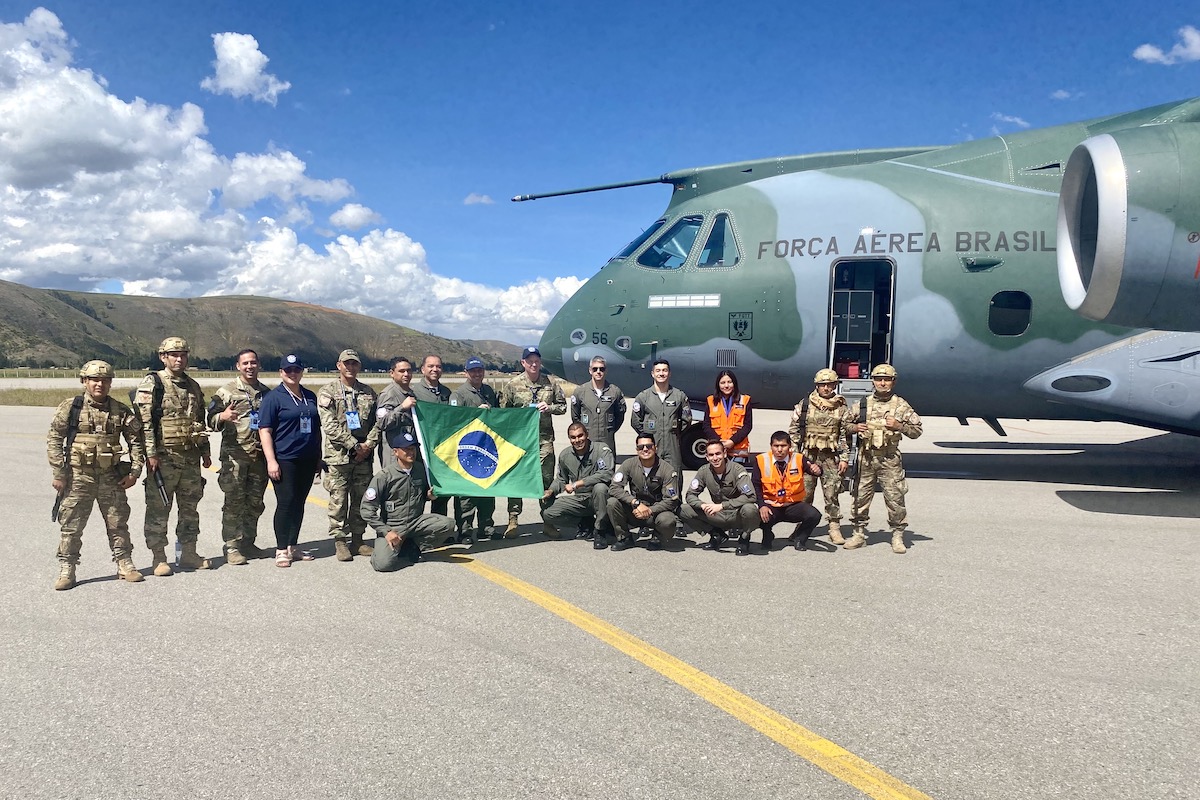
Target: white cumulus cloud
[
  {"x": 474, "y": 199},
  {"x": 98, "y": 192},
  {"x": 1063, "y": 94},
  {"x": 1008, "y": 118},
  {"x": 352, "y": 217},
  {"x": 240, "y": 70},
  {"x": 1186, "y": 49}
]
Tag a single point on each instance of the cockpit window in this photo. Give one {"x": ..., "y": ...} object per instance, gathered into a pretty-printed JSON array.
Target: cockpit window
[
  {"x": 672, "y": 248},
  {"x": 721, "y": 249},
  {"x": 632, "y": 247}
]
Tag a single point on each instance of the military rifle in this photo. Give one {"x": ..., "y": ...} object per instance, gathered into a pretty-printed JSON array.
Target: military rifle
[
  {"x": 155, "y": 433},
  {"x": 852, "y": 471},
  {"x": 68, "y": 443}
]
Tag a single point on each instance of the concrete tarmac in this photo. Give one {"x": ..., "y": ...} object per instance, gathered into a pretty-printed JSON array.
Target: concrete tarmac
[{"x": 1039, "y": 640}]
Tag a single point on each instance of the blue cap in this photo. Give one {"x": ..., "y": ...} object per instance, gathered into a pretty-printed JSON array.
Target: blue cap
[
  {"x": 292, "y": 360},
  {"x": 474, "y": 362},
  {"x": 402, "y": 439},
  {"x": 530, "y": 351}
]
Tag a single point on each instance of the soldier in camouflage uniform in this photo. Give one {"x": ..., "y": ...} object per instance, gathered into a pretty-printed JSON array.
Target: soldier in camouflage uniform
[
  {"x": 532, "y": 388},
  {"x": 820, "y": 431},
  {"x": 474, "y": 393},
  {"x": 93, "y": 470},
  {"x": 243, "y": 477},
  {"x": 889, "y": 417},
  {"x": 171, "y": 407},
  {"x": 347, "y": 410},
  {"x": 430, "y": 390},
  {"x": 599, "y": 405},
  {"x": 580, "y": 491}
]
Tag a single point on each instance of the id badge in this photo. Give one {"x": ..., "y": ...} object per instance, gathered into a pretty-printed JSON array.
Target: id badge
[
  {"x": 649, "y": 424},
  {"x": 253, "y": 420},
  {"x": 352, "y": 420},
  {"x": 583, "y": 418},
  {"x": 306, "y": 424}
]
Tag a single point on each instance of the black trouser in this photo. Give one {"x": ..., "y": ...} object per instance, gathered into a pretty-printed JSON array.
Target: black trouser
[
  {"x": 291, "y": 493},
  {"x": 803, "y": 514}
]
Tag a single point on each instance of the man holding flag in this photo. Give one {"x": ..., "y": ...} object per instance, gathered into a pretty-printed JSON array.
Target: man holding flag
[{"x": 532, "y": 389}]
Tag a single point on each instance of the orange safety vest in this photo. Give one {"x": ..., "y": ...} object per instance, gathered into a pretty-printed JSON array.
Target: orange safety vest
[
  {"x": 726, "y": 425},
  {"x": 781, "y": 490}
]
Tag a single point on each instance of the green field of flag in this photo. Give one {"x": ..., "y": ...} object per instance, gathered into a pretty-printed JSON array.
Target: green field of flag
[{"x": 480, "y": 452}]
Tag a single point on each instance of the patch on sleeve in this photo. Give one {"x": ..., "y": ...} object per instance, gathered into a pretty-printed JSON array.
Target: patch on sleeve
[
  {"x": 618, "y": 478},
  {"x": 637, "y": 407},
  {"x": 600, "y": 463},
  {"x": 747, "y": 489},
  {"x": 453, "y": 401},
  {"x": 695, "y": 484},
  {"x": 324, "y": 401},
  {"x": 370, "y": 493},
  {"x": 671, "y": 492},
  {"x": 382, "y": 413},
  {"x": 574, "y": 399}
]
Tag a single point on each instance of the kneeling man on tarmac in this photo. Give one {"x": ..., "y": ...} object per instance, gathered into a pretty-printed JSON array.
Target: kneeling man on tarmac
[
  {"x": 579, "y": 493},
  {"x": 779, "y": 483},
  {"x": 732, "y": 510},
  {"x": 645, "y": 491},
  {"x": 392, "y": 505}
]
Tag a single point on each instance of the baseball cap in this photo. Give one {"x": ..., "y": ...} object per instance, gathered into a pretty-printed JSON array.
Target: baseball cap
[
  {"x": 403, "y": 439},
  {"x": 530, "y": 351},
  {"x": 474, "y": 362},
  {"x": 292, "y": 360},
  {"x": 349, "y": 355}
]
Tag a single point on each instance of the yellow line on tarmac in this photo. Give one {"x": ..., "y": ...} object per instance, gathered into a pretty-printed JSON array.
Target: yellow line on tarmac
[{"x": 836, "y": 760}]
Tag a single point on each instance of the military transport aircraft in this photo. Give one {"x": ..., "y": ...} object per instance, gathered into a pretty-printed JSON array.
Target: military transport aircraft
[{"x": 1048, "y": 274}]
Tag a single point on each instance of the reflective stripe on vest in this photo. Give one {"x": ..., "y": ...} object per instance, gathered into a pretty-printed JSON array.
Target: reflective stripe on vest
[
  {"x": 791, "y": 484},
  {"x": 726, "y": 425}
]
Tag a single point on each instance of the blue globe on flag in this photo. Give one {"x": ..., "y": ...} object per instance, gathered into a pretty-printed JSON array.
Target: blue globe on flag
[{"x": 478, "y": 455}]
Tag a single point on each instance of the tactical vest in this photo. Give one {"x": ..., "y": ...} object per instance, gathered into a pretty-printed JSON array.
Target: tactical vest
[
  {"x": 878, "y": 437},
  {"x": 786, "y": 489},
  {"x": 821, "y": 427},
  {"x": 180, "y": 428},
  {"x": 98, "y": 439},
  {"x": 724, "y": 424}
]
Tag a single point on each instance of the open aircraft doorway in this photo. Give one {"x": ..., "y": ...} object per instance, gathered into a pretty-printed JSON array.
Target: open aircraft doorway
[{"x": 861, "y": 307}]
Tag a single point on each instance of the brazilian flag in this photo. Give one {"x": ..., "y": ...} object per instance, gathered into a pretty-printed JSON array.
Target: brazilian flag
[{"x": 480, "y": 452}]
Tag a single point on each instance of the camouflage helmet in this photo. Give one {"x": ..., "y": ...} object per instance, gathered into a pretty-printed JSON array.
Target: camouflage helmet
[
  {"x": 825, "y": 376},
  {"x": 173, "y": 344},
  {"x": 96, "y": 369},
  {"x": 883, "y": 371}
]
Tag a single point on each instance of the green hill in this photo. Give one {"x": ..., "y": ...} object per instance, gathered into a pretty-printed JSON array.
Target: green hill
[{"x": 48, "y": 327}]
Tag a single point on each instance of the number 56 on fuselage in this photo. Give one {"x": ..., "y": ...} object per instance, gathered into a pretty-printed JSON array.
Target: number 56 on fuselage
[{"x": 1047, "y": 274}]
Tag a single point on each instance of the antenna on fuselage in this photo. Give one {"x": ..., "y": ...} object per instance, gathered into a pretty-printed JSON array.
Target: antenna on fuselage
[{"x": 602, "y": 188}]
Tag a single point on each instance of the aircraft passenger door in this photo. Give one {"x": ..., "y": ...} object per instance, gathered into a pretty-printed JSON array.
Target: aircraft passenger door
[{"x": 861, "y": 306}]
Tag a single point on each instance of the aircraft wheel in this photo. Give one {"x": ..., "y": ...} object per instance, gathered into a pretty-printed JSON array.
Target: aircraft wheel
[{"x": 694, "y": 445}]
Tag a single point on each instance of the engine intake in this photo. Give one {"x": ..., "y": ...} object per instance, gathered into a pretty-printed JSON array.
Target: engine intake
[{"x": 1129, "y": 228}]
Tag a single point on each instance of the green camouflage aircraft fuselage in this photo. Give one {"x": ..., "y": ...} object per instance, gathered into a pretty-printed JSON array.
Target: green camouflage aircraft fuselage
[{"x": 959, "y": 265}]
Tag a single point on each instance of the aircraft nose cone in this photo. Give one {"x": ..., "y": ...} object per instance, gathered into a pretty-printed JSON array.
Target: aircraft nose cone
[{"x": 555, "y": 340}]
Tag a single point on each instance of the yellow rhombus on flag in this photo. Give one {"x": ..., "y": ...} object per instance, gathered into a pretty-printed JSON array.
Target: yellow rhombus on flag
[{"x": 490, "y": 452}]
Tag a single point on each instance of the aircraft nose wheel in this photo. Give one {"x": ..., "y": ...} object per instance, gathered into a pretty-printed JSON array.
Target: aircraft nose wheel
[{"x": 694, "y": 445}]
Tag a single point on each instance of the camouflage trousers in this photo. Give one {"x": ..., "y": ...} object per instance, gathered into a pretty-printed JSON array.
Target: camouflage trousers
[
  {"x": 346, "y": 484},
  {"x": 90, "y": 484},
  {"x": 886, "y": 467},
  {"x": 831, "y": 482},
  {"x": 185, "y": 486},
  {"x": 243, "y": 479},
  {"x": 546, "y": 453}
]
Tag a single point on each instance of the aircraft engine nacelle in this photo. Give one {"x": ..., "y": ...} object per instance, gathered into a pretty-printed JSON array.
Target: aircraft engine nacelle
[{"x": 1129, "y": 227}]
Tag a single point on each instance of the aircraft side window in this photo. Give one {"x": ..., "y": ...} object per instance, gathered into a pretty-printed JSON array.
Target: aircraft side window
[
  {"x": 672, "y": 248},
  {"x": 632, "y": 247},
  {"x": 1009, "y": 313},
  {"x": 721, "y": 249}
]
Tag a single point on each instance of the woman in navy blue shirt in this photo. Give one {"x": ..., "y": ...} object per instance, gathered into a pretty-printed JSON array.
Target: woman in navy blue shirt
[{"x": 290, "y": 431}]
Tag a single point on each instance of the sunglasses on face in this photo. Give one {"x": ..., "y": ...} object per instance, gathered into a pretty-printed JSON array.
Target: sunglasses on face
[
  {"x": 645, "y": 447},
  {"x": 597, "y": 369}
]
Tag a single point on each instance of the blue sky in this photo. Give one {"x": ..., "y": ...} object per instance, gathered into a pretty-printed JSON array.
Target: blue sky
[{"x": 329, "y": 152}]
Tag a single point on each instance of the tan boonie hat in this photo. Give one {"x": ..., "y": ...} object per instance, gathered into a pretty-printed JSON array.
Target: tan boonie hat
[
  {"x": 349, "y": 355},
  {"x": 96, "y": 369},
  {"x": 173, "y": 344}
]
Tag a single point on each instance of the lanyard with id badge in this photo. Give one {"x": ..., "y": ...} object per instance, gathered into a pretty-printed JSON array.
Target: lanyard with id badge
[
  {"x": 306, "y": 418},
  {"x": 253, "y": 410},
  {"x": 353, "y": 420}
]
